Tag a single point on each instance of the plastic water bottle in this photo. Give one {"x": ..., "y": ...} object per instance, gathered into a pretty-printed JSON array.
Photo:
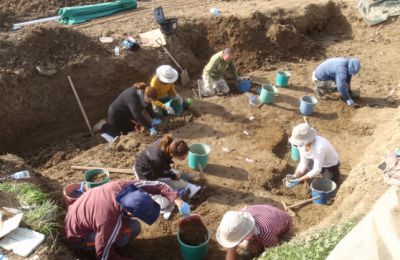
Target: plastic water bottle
[
  {"x": 116, "y": 51},
  {"x": 20, "y": 175},
  {"x": 215, "y": 11}
]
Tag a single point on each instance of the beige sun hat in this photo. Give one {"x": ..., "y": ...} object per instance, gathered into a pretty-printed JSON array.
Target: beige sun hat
[
  {"x": 234, "y": 227},
  {"x": 302, "y": 134},
  {"x": 167, "y": 74}
]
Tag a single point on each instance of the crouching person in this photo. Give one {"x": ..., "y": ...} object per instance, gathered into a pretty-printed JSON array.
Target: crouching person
[
  {"x": 252, "y": 229},
  {"x": 106, "y": 217},
  {"x": 154, "y": 162},
  {"x": 318, "y": 157}
]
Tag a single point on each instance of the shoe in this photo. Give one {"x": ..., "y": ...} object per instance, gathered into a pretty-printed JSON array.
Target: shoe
[
  {"x": 97, "y": 127},
  {"x": 320, "y": 93},
  {"x": 354, "y": 94}
]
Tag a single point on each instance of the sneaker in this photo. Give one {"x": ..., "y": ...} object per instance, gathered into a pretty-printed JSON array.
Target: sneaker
[
  {"x": 97, "y": 127},
  {"x": 320, "y": 93},
  {"x": 354, "y": 94}
]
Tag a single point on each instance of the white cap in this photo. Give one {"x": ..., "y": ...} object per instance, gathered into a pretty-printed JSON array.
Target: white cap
[
  {"x": 167, "y": 74},
  {"x": 303, "y": 134},
  {"x": 234, "y": 227}
]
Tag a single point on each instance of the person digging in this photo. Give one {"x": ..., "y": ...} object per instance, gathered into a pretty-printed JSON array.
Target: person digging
[
  {"x": 213, "y": 73},
  {"x": 335, "y": 74},
  {"x": 106, "y": 217},
  {"x": 125, "y": 113},
  {"x": 250, "y": 230},
  {"x": 163, "y": 83},
  {"x": 318, "y": 157}
]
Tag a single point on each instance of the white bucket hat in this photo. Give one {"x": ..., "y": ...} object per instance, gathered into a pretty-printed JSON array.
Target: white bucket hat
[
  {"x": 167, "y": 74},
  {"x": 234, "y": 227},
  {"x": 302, "y": 134}
]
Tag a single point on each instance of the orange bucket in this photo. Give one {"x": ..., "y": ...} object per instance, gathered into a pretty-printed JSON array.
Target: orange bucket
[{"x": 68, "y": 193}]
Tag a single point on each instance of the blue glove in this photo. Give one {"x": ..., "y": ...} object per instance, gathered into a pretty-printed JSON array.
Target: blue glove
[
  {"x": 155, "y": 122},
  {"x": 350, "y": 102},
  {"x": 184, "y": 209},
  {"x": 293, "y": 183},
  {"x": 153, "y": 131}
]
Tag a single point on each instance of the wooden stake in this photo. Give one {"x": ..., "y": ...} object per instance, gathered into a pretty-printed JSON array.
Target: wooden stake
[{"x": 80, "y": 105}]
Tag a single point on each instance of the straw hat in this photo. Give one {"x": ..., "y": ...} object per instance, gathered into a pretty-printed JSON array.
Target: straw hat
[
  {"x": 234, "y": 227},
  {"x": 167, "y": 74},
  {"x": 302, "y": 134}
]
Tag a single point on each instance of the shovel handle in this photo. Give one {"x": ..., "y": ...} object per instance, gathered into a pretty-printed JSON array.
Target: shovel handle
[
  {"x": 303, "y": 202},
  {"x": 158, "y": 41}
]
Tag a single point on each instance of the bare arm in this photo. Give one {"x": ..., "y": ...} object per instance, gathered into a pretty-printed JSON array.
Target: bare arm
[{"x": 231, "y": 254}]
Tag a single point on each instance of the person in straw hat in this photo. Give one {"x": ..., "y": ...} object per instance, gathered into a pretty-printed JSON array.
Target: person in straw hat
[
  {"x": 252, "y": 229},
  {"x": 163, "y": 83},
  {"x": 318, "y": 157}
]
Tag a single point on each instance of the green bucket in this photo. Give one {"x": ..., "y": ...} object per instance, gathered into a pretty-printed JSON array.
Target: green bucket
[
  {"x": 178, "y": 108},
  {"x": 189, "y": 252},
  {"x": 89, "y": 174},
  {"x": 198, "y": 155},
  {"x": 268, "y": 92}
]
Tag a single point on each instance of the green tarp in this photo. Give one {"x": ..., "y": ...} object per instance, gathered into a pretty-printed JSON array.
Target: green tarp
[
  {"x": 377, "y": 11},
  {"x": 80, "y": 14}
]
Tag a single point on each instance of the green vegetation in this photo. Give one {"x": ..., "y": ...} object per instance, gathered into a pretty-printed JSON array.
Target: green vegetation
[
  {"x": 314, "y": 247},
  {"x": 42, "y": 213}
]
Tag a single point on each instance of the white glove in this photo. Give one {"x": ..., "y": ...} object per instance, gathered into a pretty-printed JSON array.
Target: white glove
[
  {"x": 350, "y": 102},
  {"x": 170, "y": 110},
  {"x": 153, "y": 131},
  {"x": 180, "y": 99}
]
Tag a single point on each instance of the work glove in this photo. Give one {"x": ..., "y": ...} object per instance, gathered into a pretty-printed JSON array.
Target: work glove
[
  {"x": 153, "y": 131},
  {"x": 180, "y": 99},
  {"x": 155, "y": 121},
  {"x": 184, "y": 209},
  {"x": 293, "y": 183},
  {"x": 350, "y": 102},
  {"x": 170, "y": 110}
]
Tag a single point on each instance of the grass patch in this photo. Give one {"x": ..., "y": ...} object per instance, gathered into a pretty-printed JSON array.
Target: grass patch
[
  {"x": 43, "y": 212},
  {"x": 314, "y": 247}
]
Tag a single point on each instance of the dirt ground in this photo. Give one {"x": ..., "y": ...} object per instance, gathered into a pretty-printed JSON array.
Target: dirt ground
[{"x": 42, "y": 123}]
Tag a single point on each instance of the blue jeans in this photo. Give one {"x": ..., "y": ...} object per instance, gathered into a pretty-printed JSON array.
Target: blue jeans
[{"x": 125, "y": 235}]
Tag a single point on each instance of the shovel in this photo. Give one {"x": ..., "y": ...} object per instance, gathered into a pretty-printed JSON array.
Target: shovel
[
  {"x": 185, "y": 79},
  {"x": 301, "y": 203},
  {"x": 77, "y": 193}
]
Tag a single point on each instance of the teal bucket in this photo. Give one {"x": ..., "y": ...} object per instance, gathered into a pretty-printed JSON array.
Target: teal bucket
[
  {"x": 282, "y": 78},
  {"x": 268, "y": 92},
  {"x": 307, "y": 104},
  {"x": 295, "y": 153},
  {"x": 198, "y": 155},
  {"x": 244, "y": 85},
  {"x": 190, "y": 252},
  {"x": 324, "y": 188},
  {"x": 178, "y": 108},
  {"x": 89, "y": 174}
]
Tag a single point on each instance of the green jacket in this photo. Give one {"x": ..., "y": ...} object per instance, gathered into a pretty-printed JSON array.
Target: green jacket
[{"x": 216, "y": 67}]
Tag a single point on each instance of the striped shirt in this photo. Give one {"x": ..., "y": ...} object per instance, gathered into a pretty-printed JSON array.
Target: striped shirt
[{"x": 270, "y": 223}]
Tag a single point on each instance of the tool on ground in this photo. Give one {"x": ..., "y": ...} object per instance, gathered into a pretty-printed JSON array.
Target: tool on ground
[
  {"x": 79, "y": 192},
  {"x": 305, "y": 118},
  {"x": 80, "y": 106},
  {"x": 201, "y": 171},
  {"x": 115, "y": 170},
  {"x": 185, "y": 79},
  {"x": 17, "y": 175},
  {"x": 393, "y": 91},
  {"x": 297, "y": 204}
]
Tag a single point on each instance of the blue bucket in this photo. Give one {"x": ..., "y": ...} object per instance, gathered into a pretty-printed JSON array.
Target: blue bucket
[
  {"x": 282, "y": 79},
  {"x": 307, "y": 104},
  {"x": 244, "y": 85},
  {"x": 295, "y": 153},
  {"x": 324, "y": 188},
  {"x": 268, "y": 92},
  {"x": 198, "y": 155}
]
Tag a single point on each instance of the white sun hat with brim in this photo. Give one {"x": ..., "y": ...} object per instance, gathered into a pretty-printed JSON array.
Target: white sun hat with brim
[
  {"x": 303, "y": 134},
  {"x": 167, "y": 74},
  {"x": 234, "y": 227}
]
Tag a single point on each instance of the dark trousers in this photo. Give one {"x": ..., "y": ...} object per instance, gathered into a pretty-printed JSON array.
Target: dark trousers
[
  {"x": 331, "y": 173},
  {"x": 120, "y": 123}
]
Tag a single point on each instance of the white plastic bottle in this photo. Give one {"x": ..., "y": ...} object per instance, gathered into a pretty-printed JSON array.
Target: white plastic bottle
[{"x": 116, "y": 51}]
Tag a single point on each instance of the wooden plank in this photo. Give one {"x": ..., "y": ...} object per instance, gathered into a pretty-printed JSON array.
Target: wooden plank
[{"x": 115, "y": 170}]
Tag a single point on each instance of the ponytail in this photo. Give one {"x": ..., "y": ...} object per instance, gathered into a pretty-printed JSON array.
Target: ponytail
[
  {"x": 140, "y": 85},
  {"x": 175, "y": 148}
]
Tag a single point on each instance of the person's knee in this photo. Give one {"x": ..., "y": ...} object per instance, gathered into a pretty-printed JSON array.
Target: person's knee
[{"x": 132, "y": 231}]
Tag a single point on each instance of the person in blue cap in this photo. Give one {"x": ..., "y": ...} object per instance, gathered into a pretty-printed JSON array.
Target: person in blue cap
[
  {"x": 335, "y": 74},
  {"x": 106, "y": 216}
]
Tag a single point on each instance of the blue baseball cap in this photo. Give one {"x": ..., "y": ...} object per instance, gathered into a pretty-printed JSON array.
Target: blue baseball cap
[{"x": 139, "y": 204}]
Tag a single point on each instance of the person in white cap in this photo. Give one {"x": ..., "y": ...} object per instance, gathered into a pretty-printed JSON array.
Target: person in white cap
[
  {"x": 316, "y": 153},
  {"x": 213, "y": 73},
  {"x": 163, "y": 82},
  {"x": 252, "y": 229}
]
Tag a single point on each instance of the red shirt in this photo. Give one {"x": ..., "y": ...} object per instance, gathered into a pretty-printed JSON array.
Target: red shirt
[
  {"x": 98, "y": 211},
  {"x": 271, "y": 222}
]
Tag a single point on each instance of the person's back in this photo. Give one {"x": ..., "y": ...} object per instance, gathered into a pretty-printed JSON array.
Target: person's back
[
  {"x": 332, "y": 69},
  {"x": 121, "y": 103}
]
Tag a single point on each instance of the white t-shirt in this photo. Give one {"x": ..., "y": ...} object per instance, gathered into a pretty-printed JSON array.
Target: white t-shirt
[{"x": 322, "y": 153}]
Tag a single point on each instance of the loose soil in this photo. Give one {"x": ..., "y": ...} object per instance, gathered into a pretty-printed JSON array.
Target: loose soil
[
  {"x": 193, "y": 233},
  {"x": 42, "y": 122},
  {"x": 98, "y": 177}
]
